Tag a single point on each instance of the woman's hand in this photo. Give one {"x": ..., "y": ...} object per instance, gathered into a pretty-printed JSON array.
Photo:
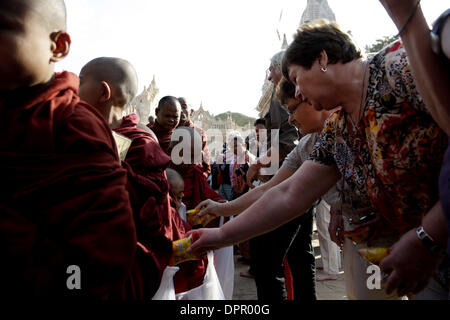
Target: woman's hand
[
  {"x": 252, "y": 174},
  {"x": 206, "y": 239},
  {"x": 336, "y": 227},
  {"x": 410, "y": 265},
  {"x": 209, "y": 206}
]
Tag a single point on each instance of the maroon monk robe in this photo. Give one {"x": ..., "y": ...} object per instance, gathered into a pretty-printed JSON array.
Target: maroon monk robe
[
  {"x": 63, "y": 200},
  {"x": 163, "y": 136},
  {"x": 196, "y": 187},
  {"x": 157, "y": 223},
  {"x": 206, "y": 166}
]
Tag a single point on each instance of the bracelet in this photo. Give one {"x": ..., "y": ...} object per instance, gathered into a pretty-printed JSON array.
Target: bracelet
[
  {"x": 429, "y": 242},
  {"x": 408, "y": 20}
]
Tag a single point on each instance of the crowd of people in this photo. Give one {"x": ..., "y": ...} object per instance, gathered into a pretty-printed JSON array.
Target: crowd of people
[
  {"x": 382, "y": 148},
  {"x": 360, "y": 145}
]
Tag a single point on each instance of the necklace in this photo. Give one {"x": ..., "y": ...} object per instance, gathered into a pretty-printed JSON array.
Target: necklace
[
  {"x": 361, "y": 105},
  {"x": 354, "y": 144}
]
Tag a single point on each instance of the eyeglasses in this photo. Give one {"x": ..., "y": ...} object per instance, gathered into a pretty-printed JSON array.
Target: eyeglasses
[{"x": 292, "y": 111}]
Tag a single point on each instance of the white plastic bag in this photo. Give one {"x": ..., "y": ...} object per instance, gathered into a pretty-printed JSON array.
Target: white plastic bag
[
  {"x": 166, "y": 290},
  {"x": 209, "y": 290},
  {"x": 225, "y": 270},
  {"x": 224, "y": 259}
]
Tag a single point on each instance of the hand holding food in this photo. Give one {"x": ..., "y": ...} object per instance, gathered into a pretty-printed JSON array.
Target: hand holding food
[
  {"x": 194, "y": 219},
  {"x": 180, "y": 252},
  {"x": 374, "y": 254}
]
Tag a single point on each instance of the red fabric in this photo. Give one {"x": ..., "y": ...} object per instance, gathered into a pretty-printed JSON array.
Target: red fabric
[
  {"x": 63, "y": 200},
  {"x": 196, "y": 188},
  {"x": 157, "y": 222},
  {"x": 206, "y": 167},
  {"x": 288, "y": 280},
  {"x": 238, "y": 183},
  {"x": 163, "y": 136},
  {"x": 219, "y": 177}
]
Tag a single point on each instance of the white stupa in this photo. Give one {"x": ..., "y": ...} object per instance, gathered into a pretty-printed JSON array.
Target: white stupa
[{"x": 315, "y": 9}]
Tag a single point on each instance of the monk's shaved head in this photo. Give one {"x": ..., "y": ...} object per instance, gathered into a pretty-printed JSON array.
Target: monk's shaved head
[
  {"x": 118, "y": 73},
  {"x": 174, "y": 177},
  {"x": 176, "y": 183},
  {"x": 35, "y": 39},
  {"x": 168, "y": 101},
  {"x": 168, "y": 112},
  {"x": 52, "y": 13}
]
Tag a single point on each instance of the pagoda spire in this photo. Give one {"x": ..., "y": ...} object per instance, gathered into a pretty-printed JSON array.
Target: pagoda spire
[
  {"x": 285, "y": 43},
  {"x": 317, "y": 9}
]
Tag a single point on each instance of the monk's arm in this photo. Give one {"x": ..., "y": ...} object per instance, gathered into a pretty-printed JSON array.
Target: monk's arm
[
  {"x": 282, "y": 203},
  {"x": 431, "y": 75}
]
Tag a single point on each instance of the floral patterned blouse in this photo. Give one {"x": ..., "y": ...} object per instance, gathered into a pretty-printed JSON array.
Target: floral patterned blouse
[{"x": 392, "y": 160}]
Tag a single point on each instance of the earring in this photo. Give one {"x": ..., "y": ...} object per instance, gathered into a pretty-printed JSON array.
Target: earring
[{"x": 324, "y": 69}]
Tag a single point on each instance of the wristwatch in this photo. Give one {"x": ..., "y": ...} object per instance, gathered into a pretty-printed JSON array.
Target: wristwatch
[
  {"x": 436, "y": 32},
  {"x": 429, "y": 242}
]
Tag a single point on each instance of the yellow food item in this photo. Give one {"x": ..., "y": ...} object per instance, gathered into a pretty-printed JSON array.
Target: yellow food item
[
  {"x": 194, "y": 219},
  {"x": 374, "y": 254},
  {"x": 179, "y": 251},
  {"x": 193, "y": 211}
]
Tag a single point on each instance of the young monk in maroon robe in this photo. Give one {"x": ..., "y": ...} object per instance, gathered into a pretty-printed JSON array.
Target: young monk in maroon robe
[
  {"x": 196, "y": 187},
  {"x": 109, "y": 84},
  {"x": 176, "y": 184},
  {"x": 167, "y": 119},
  {"x": 66, "y": 227},
  {"x": 185, "y": 121}
]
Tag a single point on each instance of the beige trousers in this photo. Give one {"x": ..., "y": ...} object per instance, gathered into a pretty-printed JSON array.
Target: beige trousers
[{"x": 330, "y": 252}]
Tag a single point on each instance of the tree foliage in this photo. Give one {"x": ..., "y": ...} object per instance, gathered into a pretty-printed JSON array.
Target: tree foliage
[
  {"x": 239, "y": 118},
  {"x": 380, "y": 44}
]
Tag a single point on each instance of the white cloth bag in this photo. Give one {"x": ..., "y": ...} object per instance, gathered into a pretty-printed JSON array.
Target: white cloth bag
[{"x": 209, "y": 290}]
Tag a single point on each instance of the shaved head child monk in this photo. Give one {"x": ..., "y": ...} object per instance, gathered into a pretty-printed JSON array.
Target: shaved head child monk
[
  {"x": 66, "y": 226},
  {"x": 109, "y": 84},
  {"x": 176, "y": 184},
  {"x": 167, "y": 118}
]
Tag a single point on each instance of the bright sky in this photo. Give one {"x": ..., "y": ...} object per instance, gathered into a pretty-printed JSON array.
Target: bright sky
[{"x": 212, "y": 51}]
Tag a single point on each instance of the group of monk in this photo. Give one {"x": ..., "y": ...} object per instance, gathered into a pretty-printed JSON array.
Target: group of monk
[{"x": 85, "y": 186}]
